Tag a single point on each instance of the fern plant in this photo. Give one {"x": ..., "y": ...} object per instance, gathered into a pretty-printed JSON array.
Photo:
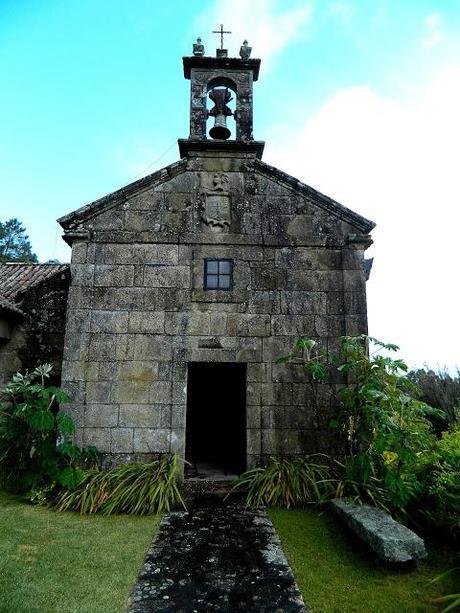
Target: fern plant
[{"x": 134, "y": 489}]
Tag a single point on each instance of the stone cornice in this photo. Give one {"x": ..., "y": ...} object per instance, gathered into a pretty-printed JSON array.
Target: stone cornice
[
  {"x": 188, "y": 145},
  {"x": 220, "y": 63},
  {"x": 70, "y": 221},
  {"x": 324, "y": 202}
]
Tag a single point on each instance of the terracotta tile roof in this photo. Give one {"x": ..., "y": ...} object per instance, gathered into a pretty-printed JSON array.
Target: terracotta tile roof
[{"x": 15, "y": 278}]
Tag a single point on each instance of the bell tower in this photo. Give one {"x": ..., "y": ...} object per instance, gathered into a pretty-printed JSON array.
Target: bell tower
[{"x": 215, "y": 82}]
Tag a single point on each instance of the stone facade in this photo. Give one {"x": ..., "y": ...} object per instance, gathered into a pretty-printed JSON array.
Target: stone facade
[
  {"x": 36, "y": 329},
  {"x": 138, "y": 313}
]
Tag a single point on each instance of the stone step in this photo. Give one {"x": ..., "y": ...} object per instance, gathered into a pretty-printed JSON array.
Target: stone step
[{"x": 198, "y": 489}]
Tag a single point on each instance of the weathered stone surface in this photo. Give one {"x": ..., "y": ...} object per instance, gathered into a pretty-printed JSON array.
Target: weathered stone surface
[
  {"x": 188, "y": 323},
  {"x": 145, "y": 415},
  {"x": 113, "y": 276},
  {"x": 98, "y": 437},
  {"x": 390, "y": 540},
  {"x": 302, "y": 302},
  {"x": 101, "y": 415},
  {"x": 97, "y": 391},
  {"x": 167, "y": 276},
  {"x": 109, "y": 321},
  {"x": 216, "y": 559},
  {"x": 248, "y": 324},
  {"x": 152, "y": 347},
  {"x": 131, "y": 391},
  {"x": 150, "y": 322},
  {"x": 121, "y": 440},
  {"x": 152, "y": 440},
  {"x": 105, "y": 346}
]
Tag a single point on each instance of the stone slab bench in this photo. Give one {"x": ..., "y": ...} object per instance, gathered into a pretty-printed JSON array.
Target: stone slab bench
[{"x": 390, "y": 540}]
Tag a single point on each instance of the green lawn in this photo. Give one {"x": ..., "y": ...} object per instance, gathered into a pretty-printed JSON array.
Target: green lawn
[
  {"x": 63, "y": 562},
  {"x": 334, "y": 573}
]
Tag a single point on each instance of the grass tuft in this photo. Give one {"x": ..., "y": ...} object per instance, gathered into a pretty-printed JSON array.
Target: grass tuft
[
  {"x": 134, "y": 489},
  {"x": 286, "y": 483}
]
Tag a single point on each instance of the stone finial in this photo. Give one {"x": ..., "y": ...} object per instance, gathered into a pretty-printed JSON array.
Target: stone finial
[
  {"x": 198, "y": 48},
  {"x": 245, "y": 50}
]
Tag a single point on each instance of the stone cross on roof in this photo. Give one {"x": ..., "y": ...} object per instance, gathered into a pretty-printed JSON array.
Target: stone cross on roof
[{"x": 221, "y": 32}]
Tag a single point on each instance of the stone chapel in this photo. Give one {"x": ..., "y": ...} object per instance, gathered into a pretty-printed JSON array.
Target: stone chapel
[{"x": 189, "y": 284}]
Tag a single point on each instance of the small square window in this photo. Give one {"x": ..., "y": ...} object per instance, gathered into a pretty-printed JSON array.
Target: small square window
[{"x": 218, "y": 274}]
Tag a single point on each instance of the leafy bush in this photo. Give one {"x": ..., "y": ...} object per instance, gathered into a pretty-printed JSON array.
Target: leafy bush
[
  {"x": 135, "y": 489},
  {"x": 443, "y": 484},
  {"x": 286, "y": 483},
  {"x": 387, "y": 430},
  {"x": 391, "y": 456},
  {"x": 33, "y": 452},
  {"x": 439, "y": 389}
]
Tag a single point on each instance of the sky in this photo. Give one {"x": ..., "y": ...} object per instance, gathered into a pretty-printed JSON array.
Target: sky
[{"x": 359, "y": 99}]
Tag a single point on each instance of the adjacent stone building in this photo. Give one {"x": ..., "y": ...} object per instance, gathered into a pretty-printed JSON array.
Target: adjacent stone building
[
  {"x": 189, "y": 284},
  {"x": 33, "y": 300}
]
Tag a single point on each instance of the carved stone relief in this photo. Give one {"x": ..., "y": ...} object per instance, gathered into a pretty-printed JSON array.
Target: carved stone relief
[{"x": 215, "y": 202}]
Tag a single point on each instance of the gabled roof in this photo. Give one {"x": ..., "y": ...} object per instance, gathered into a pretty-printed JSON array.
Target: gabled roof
[
  {"x": 15, "y": 278},
  {"x": 105, "y": 203},
  {"x": 72, "y": 220},
  {"x": 324, "y": 202}
]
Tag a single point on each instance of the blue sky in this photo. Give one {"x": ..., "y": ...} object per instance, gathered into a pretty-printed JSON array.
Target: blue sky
[{"x": 358, "y": 99}]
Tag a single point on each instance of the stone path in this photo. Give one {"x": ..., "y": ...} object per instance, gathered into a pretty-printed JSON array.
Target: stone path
[{"x": 222, "y": 558}]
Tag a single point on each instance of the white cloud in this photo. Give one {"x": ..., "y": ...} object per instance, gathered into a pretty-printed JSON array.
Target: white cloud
[
  {"x": 266, "y": 24},
  {"x": 396, "y": 162},
  {"x": 433, "y": 33}
]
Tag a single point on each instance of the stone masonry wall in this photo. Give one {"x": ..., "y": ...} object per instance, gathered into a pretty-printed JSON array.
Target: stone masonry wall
[
  {"x": 138, "y": 314},
  {"x": 38, "y": 338}
]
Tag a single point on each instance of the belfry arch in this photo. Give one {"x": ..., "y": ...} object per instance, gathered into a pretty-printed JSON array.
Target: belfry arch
[{"x": 205, "y": 74}]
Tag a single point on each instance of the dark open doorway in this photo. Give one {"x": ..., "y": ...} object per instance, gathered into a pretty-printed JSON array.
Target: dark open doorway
[{"x": 216, "y": 419}]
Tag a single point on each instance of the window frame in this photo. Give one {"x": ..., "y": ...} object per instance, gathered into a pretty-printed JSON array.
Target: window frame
[{"x": 218, "y": 275}]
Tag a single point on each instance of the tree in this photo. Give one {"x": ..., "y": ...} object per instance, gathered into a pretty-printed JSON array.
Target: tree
[{"x": 14, "y": 243}]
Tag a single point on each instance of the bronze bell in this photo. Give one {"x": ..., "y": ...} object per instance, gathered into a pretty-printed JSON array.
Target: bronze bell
[
  {"x": 220, "y": 130},
  {"x": 220, "y": 112}
]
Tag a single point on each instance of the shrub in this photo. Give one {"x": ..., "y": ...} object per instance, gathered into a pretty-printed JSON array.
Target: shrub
[
  {"x": 33, "y": 452},
  {"x": 443, "y": 484},
  {"x": 135, "y": 489},
  {"x": 286, "y": 483},
  {"x": 387, "y": 430},
  {"x": 439, "y": 389}
]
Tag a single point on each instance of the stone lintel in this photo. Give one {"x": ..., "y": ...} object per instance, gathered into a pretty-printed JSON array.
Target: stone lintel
[{"x": 220, "y": 63}]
